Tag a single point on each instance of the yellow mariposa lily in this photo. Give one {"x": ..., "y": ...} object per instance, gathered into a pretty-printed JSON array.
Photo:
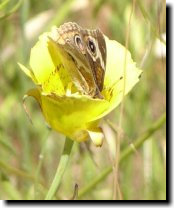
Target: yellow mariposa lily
[{"x": 66, "y": 110}]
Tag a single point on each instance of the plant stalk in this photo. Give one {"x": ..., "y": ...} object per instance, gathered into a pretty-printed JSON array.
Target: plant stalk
[{"x": 60, "y": 170}]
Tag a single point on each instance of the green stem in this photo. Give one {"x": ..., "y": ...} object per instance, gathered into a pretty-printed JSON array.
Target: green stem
[
  {"x": 60, "y": 170},
  {"x": 139, "y": 141},
  {"x": 126, "y": 152}
]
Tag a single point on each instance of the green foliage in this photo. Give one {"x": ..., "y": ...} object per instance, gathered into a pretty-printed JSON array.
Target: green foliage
[{"x": 30, "y": 152}]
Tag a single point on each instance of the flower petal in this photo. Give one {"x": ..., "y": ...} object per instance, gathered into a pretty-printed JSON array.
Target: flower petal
[
  {"x": 96, "y": 136},
  {"x": 115, "y": 64},
  {"x": 35, "y": 94},
  {"x": 114, "y": 75},
  {"x": 28, "y": 72},
  {"x": 41, "y": 61},
  {"x": 46, "y": 66},
  {"x": 70, "y": 114}
]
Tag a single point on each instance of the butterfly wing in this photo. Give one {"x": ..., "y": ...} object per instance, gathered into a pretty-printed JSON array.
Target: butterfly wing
[
  {"x": 72, "y": 43},
  {"x": 96, "y": 54}
]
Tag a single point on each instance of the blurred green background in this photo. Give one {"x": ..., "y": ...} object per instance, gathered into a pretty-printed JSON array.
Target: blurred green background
[{"x": 29, "y": 154}]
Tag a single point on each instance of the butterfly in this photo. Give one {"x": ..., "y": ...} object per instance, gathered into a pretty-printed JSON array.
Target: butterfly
[{"x": 83, "y": 54}]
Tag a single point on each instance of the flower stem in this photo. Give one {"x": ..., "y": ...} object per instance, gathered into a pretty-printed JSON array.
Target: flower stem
[{"x": 60, "y": 170}]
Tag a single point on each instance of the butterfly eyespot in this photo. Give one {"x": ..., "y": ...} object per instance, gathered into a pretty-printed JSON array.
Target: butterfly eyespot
[
  {"x": 91, "y": 46},
  {"x": 78, "y": 41}
]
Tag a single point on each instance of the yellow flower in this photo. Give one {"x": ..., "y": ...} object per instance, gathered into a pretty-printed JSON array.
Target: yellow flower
[{"x": 66, "y": 110}]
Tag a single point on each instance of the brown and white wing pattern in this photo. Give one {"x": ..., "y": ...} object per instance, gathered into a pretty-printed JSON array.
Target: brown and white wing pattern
[{"x": 83, "y": 54}]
